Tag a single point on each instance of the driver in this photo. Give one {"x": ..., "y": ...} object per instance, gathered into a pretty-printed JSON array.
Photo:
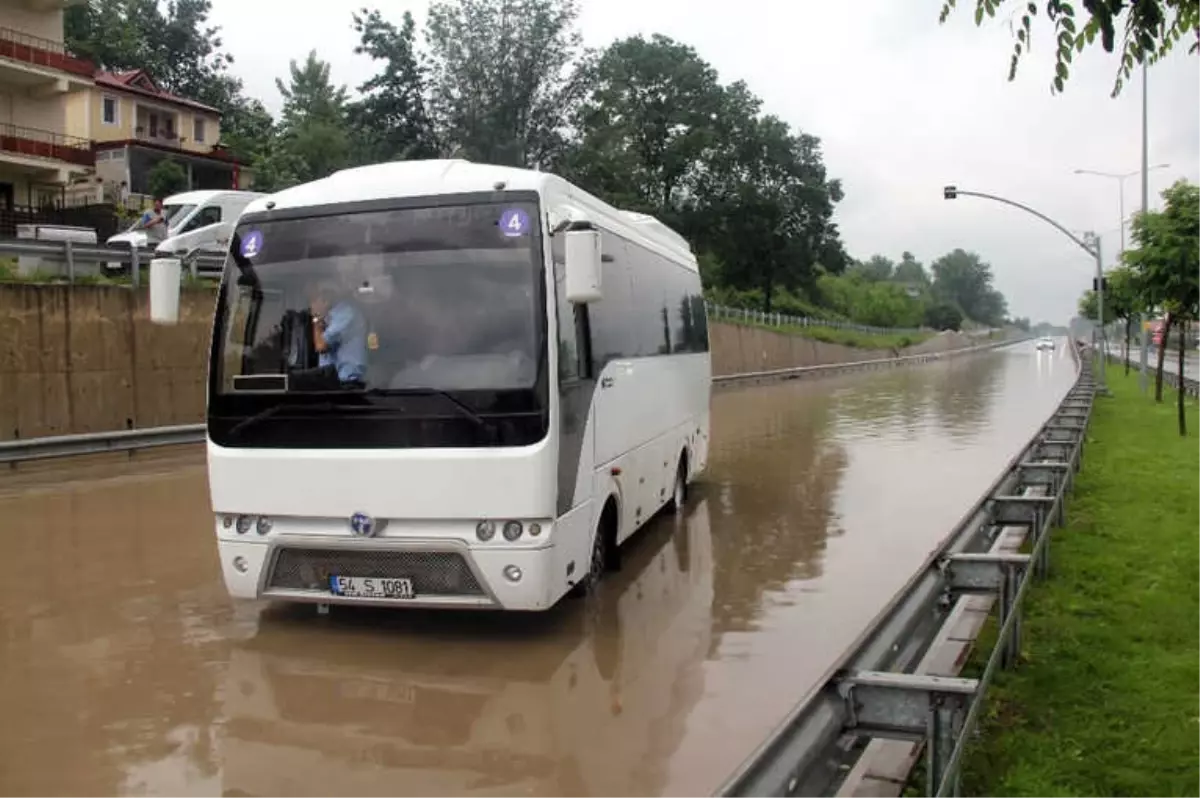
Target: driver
[{"x": 339, "y": 335}]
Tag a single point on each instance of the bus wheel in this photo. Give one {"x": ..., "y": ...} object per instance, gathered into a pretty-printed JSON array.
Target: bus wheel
[
  {"x": 602, "y": 556},
  {"x": 680, "y": 491}
]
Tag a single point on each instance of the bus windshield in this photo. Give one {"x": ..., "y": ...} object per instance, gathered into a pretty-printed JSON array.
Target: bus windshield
[{"x": 368, "y": 310}]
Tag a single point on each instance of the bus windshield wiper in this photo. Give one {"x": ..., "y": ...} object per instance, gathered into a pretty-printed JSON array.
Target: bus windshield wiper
[
  {"x": 262, "y": 415},
  {"x": 458, "y": 403},
  {"x": 325, "y": 406}
]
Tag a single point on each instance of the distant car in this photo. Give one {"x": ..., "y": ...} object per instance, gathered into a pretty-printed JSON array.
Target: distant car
[{"x": 1045, "y": 343}]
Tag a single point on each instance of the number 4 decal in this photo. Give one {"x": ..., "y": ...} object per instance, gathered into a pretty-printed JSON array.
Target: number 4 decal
[{"x": 514, "y": 222}]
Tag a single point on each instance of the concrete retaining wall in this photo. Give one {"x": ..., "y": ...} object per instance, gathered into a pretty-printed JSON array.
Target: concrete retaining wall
[{"x": 87, "y": 359}]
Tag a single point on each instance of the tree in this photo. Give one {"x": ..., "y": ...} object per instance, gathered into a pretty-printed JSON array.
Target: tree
[
  {"x": 964, "y": 279},
  {"x": 658, "y": 133},
  {"x": 1165, "y": 267},
  {"x": 943, "y": 316},
  {"x": 313, "y": 140},
  {"x": 166, "y": 178},
  {"x": 1152, "y": 29},
  {"x": 390, "y": 121},
  {"x": 645, "y": 130},
  {"x": 877, "y": 269},
  {"x": 501, "y": 83},
  {"x": 909, "y": 270},
  {"x": 1122, "y": 302}
]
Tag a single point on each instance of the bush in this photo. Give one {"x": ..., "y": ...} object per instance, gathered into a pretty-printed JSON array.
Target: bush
[{"x": 943, "y": 316}]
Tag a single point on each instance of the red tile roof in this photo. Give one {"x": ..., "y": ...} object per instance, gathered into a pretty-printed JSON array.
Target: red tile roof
[{"x": 138, "y": 81}]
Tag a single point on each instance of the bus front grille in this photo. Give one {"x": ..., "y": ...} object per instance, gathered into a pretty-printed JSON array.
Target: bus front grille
[{"x": 433, "y": 573}]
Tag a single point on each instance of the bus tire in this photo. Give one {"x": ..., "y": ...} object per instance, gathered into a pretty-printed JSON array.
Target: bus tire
[
  {"x": 679, "y": 490},
  {"x": 603, "y": 554}
]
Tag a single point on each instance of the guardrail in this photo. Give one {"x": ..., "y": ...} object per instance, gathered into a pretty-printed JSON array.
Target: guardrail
[
  {"x": 1191, "y": 386},
  {"x": 73, "y": 253},
  {"x": 131, "y": 440},
  {"x": 874, "y": 691},
  {"x": 152, "y": 437}
]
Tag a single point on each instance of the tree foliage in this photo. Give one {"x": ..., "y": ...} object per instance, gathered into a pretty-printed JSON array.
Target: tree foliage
[
  {"x": 963, "y": 279},
  {"x": 390, "y": 120},
  {"x": 1152, "y": 28},
  {"x": 166, "y": 178},
  {"x": 501, "y": 82},
  {"x": 1165, "y": 266}
]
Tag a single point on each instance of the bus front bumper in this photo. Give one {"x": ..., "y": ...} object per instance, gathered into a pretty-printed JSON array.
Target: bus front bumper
[{"x": 443, "y": 573}]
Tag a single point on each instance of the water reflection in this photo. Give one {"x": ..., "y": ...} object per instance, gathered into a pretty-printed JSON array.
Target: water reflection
[
  {"x": 773, "y": 471},
  {"x": 955, "y": 395},
  {"x": 107, "y": 613},
  {"x": 580, "y": 701}
]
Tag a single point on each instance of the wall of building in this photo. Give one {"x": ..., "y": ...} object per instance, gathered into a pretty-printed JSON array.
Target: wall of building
[
  {"x": 86, "y": 358},
  {"x": 41, "y": 113},
  {"x": 43, "y": 24},
  {"x": 77, "y": 114},
  {"x": 89, "y": 107}
]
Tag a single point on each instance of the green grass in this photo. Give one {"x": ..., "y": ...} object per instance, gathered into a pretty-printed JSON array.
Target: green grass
[
  {"x": 836, "y": 335},
  {"x": 1104, "y": 700}
]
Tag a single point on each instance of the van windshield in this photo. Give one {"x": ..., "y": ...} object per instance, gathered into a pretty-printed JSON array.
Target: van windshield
[
  {"x": 425, "y": 313},
  {"x": 172, "y": 213}
]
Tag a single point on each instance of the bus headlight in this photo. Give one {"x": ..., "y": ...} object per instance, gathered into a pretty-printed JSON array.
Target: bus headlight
[
  {"x": 264, "y": 525},
  {"x": 535, "y": 529},
  {"x": 244, "y": 522},
  {"x": 485, "y": 530},
  {"x": 512, "y": 573},
  {"x": 512, "y": 530}
]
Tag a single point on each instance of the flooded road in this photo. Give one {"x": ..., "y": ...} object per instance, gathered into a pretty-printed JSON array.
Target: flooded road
[{"x": 128, "y": 671}]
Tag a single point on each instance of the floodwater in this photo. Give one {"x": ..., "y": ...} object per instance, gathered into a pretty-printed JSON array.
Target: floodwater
[{"x": 126, "y": 670}]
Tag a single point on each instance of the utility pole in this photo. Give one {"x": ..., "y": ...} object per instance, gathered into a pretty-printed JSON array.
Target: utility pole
[{"x": 1143, "y": 378}]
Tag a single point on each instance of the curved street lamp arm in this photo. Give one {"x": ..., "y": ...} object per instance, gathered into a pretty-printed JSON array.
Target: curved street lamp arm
[{"x": 1038, "y": 214}]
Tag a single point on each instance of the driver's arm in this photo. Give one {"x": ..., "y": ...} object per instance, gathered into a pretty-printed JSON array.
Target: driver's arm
[{"x": 327, "y": 332}]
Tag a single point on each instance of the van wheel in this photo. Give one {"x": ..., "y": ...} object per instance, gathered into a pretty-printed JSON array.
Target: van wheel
[{"x": 680, "y": 491}]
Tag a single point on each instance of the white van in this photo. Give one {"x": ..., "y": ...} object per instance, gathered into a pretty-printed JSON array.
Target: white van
[{"x": 195, "y": 220}]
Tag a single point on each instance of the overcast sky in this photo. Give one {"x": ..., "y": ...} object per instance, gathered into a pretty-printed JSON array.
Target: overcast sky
[{"x": 902, "y": 106}]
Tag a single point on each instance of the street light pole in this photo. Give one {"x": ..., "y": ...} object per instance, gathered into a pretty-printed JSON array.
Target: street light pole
[
  {"x": 1143, "y": 377},
  {"x": 1093, "y": 249},
  {"x": 1121, "y": 178}
]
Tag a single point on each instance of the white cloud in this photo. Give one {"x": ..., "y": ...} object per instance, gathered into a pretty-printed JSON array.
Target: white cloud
[{"x": 901, "y": 104}]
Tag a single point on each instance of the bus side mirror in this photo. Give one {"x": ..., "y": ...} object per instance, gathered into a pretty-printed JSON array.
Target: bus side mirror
[
  {"x": 164, "y": 290},
  {"x": 583, "y": 266}
]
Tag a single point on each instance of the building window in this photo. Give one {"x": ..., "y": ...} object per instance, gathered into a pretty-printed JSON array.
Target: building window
[
  {"x": 111, "y": 110},
  {"x": 198, "y": 131}
]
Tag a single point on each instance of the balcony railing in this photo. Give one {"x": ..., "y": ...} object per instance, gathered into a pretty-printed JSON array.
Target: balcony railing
[
  {"x": 45, "y": 144},
  {"x": 42, "y": 52}
]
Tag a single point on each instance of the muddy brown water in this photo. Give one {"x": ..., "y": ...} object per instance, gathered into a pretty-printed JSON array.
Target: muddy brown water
[{"x": 127, "y": 670}]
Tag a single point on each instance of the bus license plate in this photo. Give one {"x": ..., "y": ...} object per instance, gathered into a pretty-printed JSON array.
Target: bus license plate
[{"x": 371, "y": 587}]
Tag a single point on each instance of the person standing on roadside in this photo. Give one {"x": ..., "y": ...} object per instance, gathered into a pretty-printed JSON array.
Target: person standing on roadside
[{"x": 154, "y": 222}]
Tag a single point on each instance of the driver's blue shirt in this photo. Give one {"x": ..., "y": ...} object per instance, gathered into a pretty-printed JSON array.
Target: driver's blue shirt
[{"x": 346, "y": 342}]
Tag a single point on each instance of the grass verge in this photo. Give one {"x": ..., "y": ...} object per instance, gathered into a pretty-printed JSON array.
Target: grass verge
[
  {"x": 837, "y": 335},
  {"x": 1104, "y": 701}
]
